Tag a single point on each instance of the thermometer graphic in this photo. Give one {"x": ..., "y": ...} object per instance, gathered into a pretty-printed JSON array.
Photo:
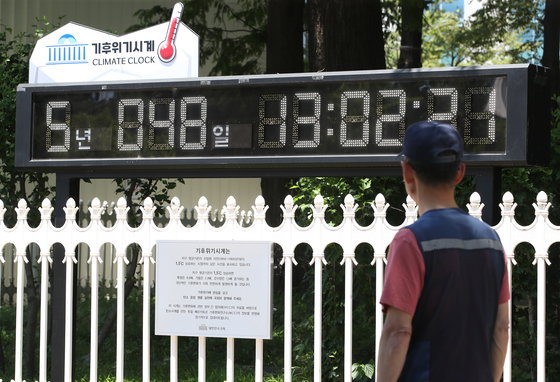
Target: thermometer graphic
[{"x": 167, "y": 50}]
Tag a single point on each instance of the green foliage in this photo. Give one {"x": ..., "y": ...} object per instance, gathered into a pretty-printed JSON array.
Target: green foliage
[
  {"x": 363, "y": 372},
  {"x": 14, "y": 68},
  {"x": 494, "y": 35},
  {"x": 236, "y": 40},
  {"x": 137, "y": 190},
  {"x": 443, "y": 44},
  {"x": 496, "y": 20},
  {"x": 334, "y": 190}
]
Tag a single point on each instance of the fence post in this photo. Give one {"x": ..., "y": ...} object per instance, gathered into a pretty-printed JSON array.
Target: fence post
[
  {"x": 121, "y": 261},
  {"x": 541, "y": 259},
  {"x": 288, "y": 260},
  {"x": 147, "y": 260},
  {"x": 348, "y": 260},
  {"x": 20, "y": 260},
  {"x": 508, "y": 213},
  {"x": 380, "y": 212},
  {"x": 44, "y": 259},
  {"x": 318, "y": 260}
]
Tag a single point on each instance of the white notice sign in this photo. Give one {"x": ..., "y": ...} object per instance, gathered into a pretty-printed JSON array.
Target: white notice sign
[{"x": 214, "y": 288}]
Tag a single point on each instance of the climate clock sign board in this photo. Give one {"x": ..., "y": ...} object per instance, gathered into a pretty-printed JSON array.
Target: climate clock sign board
[{"x": 76, "y": 53}]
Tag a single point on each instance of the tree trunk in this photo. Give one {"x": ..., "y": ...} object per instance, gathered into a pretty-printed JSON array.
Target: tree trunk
[
  {"x": 411, "y": 34},
  {"x": 284, "y": 54},
  {"x": 33, "y": 304},
  {"x": 345, "y": 35},
  {"x": 284, "y": 40},
  {"x": 551, "y": 52}
]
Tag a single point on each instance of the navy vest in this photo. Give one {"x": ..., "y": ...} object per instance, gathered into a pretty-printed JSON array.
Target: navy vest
[{"x": 453, "y": 324}]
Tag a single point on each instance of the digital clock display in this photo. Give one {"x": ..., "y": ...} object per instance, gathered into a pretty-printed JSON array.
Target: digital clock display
[{"x": 264, "y": 122}]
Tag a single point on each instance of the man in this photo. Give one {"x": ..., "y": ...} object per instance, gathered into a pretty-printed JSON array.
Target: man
[{"x": 446, "y": 286}]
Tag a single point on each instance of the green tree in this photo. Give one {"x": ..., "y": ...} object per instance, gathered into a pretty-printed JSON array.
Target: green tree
[
  {"x": 451, "y": 40},
  {"x": 15, "y": 185},
  {"x": 492, "y": 25}
]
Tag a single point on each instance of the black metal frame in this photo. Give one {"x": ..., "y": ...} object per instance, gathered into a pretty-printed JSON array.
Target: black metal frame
[{"x": 527, "y": 128}]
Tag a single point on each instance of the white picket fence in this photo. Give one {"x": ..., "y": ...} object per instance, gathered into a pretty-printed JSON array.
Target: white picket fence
[
  {"x": 541, "y": 234},
  {"x": 107, "y": 273}
]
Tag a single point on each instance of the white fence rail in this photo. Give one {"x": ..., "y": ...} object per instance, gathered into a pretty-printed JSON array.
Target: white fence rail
[{"x": 541, "y": 234}]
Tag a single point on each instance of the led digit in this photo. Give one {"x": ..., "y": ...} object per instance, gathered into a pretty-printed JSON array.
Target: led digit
[
  {"x": 58, "y": 126},
  {"x": 163, "y": 124},
  {"x": 314, "y": 120},
  {"x": 139, "y": 105},
  {"x": 451, "y": 115},
  {"x": 267, "y": 121},
  {"x": 363, "y": 119},
  {"x": 384, "y": 118},
  {"x": 489, "y": 115},
  {"x": 188, "y": 124}
]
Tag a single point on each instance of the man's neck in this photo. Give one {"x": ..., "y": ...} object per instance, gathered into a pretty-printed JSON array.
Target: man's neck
[{"x": 432, "y": 198}]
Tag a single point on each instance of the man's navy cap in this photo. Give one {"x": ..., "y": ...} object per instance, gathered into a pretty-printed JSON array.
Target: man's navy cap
[{"x": 424, "y": 141}]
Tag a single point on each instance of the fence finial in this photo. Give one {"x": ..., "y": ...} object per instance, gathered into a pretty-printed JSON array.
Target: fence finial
[
  {"x": 121, "y": 209},
  {"x": 259, "y": 208},
  {"x": 46, "y": 209},
  {"x": 22, "y": 210},
  {"x": 148, "y": 209},
  {"x": 96, "y": 209},
  {"x": 70, "y": 209},
  {"x": 288, "y": 207},
  {"x": 349, "y": 207},
  {"x": 475, "y": 207},
  {"x": 319, "y": 207},
  {"x": 175, "y": 209},
  {"x": 508, "y": 206},
  {"x": 203, "y": 208},
  {"x": 411, "y": 208},
  {"x": 231, "y": 209},
  {"x": 380, "y": 207},
  {"x": 542, "y": 206}
]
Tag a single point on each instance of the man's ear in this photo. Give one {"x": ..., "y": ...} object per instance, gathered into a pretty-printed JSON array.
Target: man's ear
[
  {"x": 407, "y": 172},
  {"x": 460, "y": 173}
]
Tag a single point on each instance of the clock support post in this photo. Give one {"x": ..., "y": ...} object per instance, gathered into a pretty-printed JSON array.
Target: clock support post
[{"x": 66, "y": 188}]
